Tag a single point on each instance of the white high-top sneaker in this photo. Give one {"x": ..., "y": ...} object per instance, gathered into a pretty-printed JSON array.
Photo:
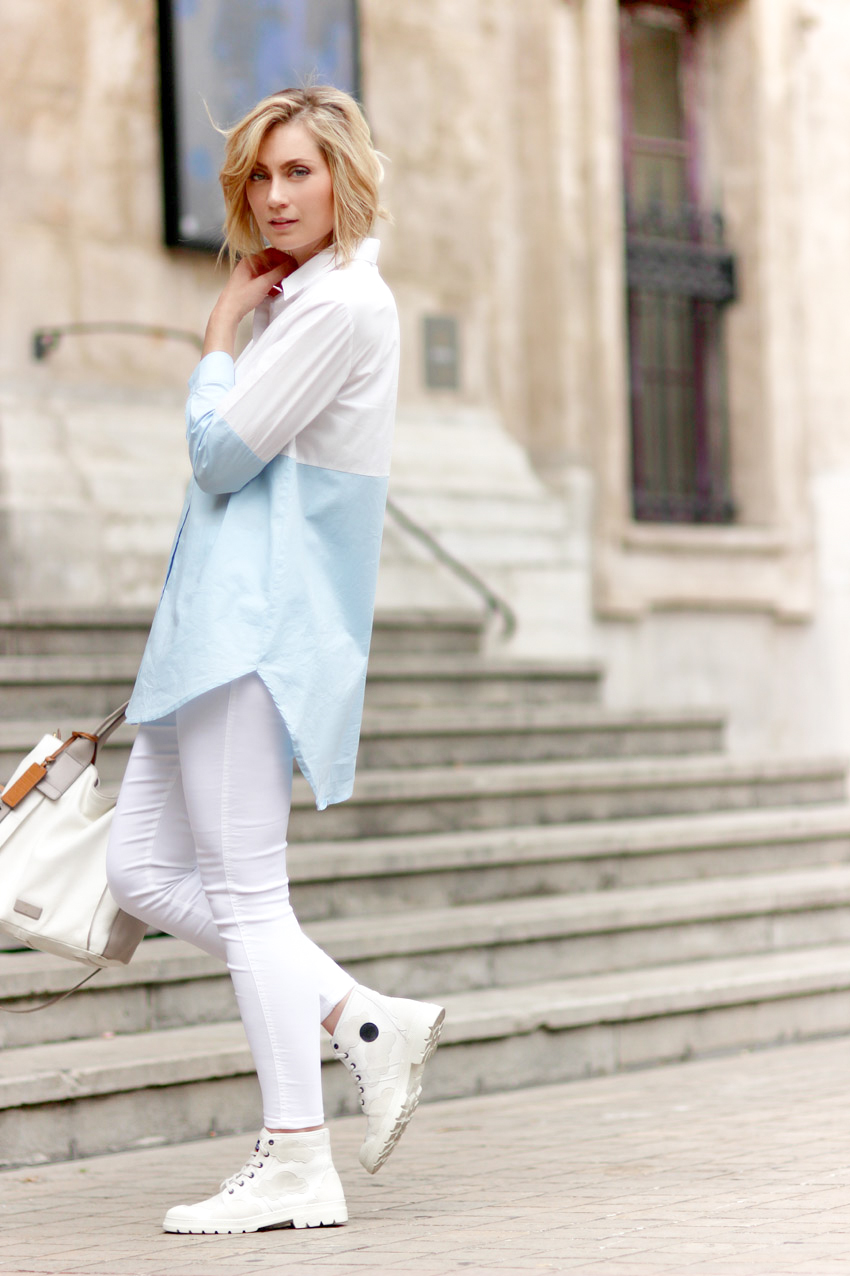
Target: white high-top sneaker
[
  {"x": 386, "y": 1042},
  {"x": 289, "y": 1181}
]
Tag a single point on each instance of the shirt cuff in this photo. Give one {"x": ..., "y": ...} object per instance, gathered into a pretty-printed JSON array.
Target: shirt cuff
[{"x": 216, "y": 368}]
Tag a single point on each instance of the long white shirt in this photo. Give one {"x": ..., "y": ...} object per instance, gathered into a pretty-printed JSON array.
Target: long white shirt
[{"x": 274, "y": 565}]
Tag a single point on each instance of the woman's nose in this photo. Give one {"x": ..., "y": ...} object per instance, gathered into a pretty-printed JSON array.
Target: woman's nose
[{"x": 277, "y": 192}]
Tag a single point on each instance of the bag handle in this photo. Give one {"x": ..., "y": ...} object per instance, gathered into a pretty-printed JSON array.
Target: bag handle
[
  {"x": 97, "y": 737},
  {"x": 80, "y": 758},
  {"x": 110, "y": 724},
  {"x": 55, "y": 775},
  {"x": 79, "y": 751}
]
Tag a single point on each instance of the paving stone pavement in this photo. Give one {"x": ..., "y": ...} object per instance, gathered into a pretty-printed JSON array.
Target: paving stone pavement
[{"x": 737, "y": 1165}]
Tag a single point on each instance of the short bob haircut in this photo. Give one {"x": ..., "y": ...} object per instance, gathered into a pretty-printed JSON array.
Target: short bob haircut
[{"x": 336, "y": 124}]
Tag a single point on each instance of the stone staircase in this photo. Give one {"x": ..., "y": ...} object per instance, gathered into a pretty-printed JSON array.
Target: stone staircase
[{"x": 585, "y": 890}]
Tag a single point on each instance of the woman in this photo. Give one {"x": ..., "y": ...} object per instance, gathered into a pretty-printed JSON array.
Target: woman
[{"x": 258, "y": 649}]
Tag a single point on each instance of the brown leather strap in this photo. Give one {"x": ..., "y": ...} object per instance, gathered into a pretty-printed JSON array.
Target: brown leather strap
[{"x": 15, "y": 793}]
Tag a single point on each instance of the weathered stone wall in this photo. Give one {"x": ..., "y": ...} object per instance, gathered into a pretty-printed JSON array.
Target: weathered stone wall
[
  {"x": 756, "y": 616},
  {"x": 500, "y": 119},
  {"x": 80, "y": 215},
  {"x": 450, "y": 90}
]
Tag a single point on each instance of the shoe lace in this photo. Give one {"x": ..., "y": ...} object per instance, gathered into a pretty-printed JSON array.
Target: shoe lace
[
  {"x": 255, "y": 1162},
  {"x": 352, "y": 1066}
]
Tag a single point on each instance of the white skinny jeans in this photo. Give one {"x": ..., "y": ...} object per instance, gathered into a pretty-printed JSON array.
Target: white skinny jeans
[{"x": 198, "y": 849}]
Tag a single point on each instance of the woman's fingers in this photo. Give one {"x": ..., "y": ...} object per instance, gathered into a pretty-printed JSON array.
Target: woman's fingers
[{"x": 272, "y": 259}]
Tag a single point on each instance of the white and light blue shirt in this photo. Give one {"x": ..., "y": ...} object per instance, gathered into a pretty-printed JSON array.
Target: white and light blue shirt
[{"x": 274, "y": 565}]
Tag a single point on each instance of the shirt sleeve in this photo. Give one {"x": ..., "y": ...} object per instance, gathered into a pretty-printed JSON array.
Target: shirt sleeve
[
  {"x": 221, "y": 462},
  {"x": 234, "y": 428},
  {"x": 297, "y": 377}
]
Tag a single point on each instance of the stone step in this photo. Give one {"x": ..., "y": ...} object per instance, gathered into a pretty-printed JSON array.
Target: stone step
[
  {"x": 71, "y": 632},
  {"x": 392, "y": 803},
  {"x": 456, "y": 734},
  {"x": 114, "y": 1092},
  {"x": 504, "y": 1038},
  {"x": 448, "y": 734},
  {"x": 510, "y": 942},
  {"x": 384, "y": 875},
  {"x": 85, "y": 686},
  {"x": 409, "y": 630},
  {"x": 468, "y": 680},
  {"x": 72, "y": 690},
  {"x": 103, "y": 631},
  {"x": 380, "y": 875}
]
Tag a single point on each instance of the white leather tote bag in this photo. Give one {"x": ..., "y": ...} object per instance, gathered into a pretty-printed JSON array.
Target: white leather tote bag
[{"x": 54, "y": 826}]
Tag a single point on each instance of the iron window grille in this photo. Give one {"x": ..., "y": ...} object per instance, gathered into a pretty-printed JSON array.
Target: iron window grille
[{"x": 680, "y": 277}]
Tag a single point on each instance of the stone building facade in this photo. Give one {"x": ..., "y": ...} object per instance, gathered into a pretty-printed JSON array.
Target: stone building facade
[{"x": 508, "y": 126}]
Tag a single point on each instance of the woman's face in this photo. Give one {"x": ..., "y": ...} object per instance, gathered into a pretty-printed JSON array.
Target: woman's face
[{"x": 291, "y": 193}]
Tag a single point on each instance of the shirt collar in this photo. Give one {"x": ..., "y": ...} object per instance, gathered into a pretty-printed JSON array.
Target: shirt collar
[{"x": 323, "y": 262}]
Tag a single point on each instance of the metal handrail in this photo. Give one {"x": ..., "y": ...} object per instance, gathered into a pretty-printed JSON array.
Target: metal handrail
[
  {"x": 45, "y": 340},
  {"x": 494, "y": 604}
]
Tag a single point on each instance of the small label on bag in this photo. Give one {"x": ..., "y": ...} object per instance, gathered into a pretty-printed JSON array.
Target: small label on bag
[
  {"x": 13, "y": 793},
  {"x": 28, "y": 910}
]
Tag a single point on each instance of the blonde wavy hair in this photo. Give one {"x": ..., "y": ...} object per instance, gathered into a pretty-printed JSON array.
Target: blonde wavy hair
[{"x": 336, "y": 124}]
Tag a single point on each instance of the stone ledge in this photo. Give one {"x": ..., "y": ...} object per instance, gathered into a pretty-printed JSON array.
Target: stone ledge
[
  {"x": 480, "y": 668},
  {"x": 567, "y": 717},
  {"x": 426, "y": 783},
  {"x": 593, "y": 913},
  {"x": 68, "y": 1071},
  {"x": 545, "y": 843},
  {"x": 67, "y": 668},
  {"x": 447, "y": 719},
  {"x": 445, "y": 930}
]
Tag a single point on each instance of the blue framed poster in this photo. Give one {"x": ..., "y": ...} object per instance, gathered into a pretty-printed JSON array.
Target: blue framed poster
[{"x": 219, "y": 57}]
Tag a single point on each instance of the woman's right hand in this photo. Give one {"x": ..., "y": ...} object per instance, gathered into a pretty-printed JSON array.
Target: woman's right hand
[{"x": 250, "y": 283}]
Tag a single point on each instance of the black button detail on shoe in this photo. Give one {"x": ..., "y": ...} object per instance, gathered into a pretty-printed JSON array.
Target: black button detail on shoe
[{"x": 369, "y": 1031}]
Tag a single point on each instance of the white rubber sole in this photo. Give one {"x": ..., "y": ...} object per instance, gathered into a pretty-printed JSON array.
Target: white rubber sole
[
  {"x": 327, "y": 1214},
  {"x": 423, "y": 1039}
]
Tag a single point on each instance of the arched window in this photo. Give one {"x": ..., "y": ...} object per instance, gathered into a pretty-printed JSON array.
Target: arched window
[{"x": 680, "y": 276}]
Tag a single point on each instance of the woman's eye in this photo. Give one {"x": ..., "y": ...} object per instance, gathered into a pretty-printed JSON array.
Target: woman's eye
[
  {"x": 300, "y": 171},
  {"x": 257, "y": 177}
]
